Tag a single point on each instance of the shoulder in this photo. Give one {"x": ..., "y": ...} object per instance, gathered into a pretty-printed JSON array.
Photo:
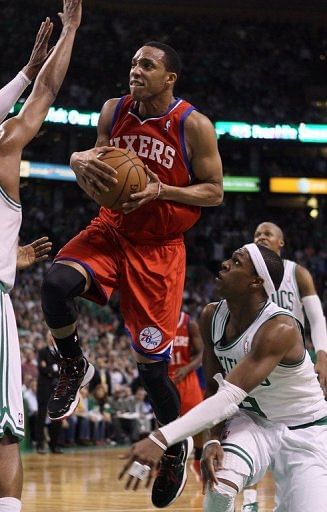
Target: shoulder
[
  {"x": 197, "y": 123},
  {"x": 276, "y": 332},
  {"x": 109, "y": 107}
]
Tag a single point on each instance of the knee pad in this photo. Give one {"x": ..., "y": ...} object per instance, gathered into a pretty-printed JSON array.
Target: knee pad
[
  {"x": 60, "y": 286},
  {"x": 222, "y": 499},
  {"x": 162, "y": 392}
]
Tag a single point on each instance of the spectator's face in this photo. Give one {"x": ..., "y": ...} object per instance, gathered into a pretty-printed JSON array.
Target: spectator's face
[{"x": 148, "y": 74}]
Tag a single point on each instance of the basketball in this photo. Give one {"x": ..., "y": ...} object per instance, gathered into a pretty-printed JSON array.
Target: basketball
[{"x": 131, "y": 178}]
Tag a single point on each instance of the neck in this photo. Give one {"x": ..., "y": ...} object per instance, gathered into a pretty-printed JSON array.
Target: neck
[
  {"x": 243, "y": 311},
  {"x": 156, "y": 106}
]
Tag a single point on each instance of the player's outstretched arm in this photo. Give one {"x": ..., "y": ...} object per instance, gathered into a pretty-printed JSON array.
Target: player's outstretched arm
[
  {"x": 23, "y": 128},
  {"x": 11, "y": 92}
]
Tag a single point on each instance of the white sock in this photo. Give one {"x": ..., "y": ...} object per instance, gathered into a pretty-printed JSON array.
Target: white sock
[
  {"x": 249, "y": 496},
  {"x": 10, "y": 505}
]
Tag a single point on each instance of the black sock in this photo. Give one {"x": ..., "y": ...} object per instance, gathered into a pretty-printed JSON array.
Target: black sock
[{"x": 69, "y": 346}]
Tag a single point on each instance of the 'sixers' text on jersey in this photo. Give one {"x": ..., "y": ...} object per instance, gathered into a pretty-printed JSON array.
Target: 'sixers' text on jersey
[{"x": 160, "y": 143}]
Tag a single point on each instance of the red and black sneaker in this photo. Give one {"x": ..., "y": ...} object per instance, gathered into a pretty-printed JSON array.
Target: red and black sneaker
[
  {"x": 172, "y": 476},
  {"x": 74, "y": 374}
]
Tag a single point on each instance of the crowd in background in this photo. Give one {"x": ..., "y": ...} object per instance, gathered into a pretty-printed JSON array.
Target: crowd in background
[
  {"x": 263, "y": 72},
  {"x": 233, "y": 69}
]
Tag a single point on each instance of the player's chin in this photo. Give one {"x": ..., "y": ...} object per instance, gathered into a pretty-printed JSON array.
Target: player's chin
[{"x": 138, "y": 93}]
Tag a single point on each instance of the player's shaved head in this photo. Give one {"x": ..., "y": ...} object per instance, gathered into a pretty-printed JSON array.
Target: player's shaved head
[
  {"x": 269, "y": 235},
  {"x": 272, "y": 226}
]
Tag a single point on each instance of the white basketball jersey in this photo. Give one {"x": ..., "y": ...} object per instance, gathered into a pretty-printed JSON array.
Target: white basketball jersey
[
  {"x": 288, "y": 295},
  {"x": 10, "y": 222},
  {"x": 291, "y": 394}
]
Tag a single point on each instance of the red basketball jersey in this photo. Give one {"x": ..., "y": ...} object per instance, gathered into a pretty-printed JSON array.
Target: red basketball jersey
[
  {"x": 181, "y": 354},
  {"x": 160, "y": 143}
]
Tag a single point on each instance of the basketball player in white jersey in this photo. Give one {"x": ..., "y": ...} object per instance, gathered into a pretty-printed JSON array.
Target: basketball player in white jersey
[
  {"x": 296, "y": 293},
  {"x": 15, "y": 133},
  {"x": 282, "y": 426}
]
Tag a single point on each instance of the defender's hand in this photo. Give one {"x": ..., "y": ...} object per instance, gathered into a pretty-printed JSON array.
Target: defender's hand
[
  {"x": 40, "y": 51},
  {"x": 147, "y": 454},
  {"x": 211, "y": 461},
  {"x": 33, "y": 253}
]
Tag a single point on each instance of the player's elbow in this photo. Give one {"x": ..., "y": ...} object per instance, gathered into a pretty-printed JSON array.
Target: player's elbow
[{"x": 217, "y": 195}]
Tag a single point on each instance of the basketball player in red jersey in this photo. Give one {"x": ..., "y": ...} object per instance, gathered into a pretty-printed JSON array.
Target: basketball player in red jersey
[
  {"x": 141, "y": 254},
  {"x": 185, "y": 359}
]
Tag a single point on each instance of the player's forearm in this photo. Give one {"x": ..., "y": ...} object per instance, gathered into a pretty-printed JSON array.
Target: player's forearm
[
  {"x": 207, "y": 414},
  {"x": 317, "y": 321},
  {"x": 201, "y": 194},
  {"x": 11, "y": 92},
  {"x": 53, "y": 72}
]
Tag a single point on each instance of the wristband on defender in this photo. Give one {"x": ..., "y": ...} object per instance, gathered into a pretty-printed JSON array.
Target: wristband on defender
[
  {"x": 211, "y": 441},
  {"x": 155, "y": 440}
]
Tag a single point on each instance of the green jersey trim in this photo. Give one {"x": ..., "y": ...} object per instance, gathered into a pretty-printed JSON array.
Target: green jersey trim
[
  {"x": 237, "y": 450},
  {"x": 234, "y": 343},
  {"x": 322, "y": 421},
  {"x": 9, "y": 200}
]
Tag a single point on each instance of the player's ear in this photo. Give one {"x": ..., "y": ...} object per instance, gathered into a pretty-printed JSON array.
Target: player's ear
[
  {"x": 171, "y": 78},
  {"x": 256, "y": 283}
]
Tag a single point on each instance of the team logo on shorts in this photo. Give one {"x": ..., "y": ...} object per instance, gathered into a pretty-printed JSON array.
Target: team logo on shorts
[
  {"x": 20, "y": 418},
  {"x": 150, "y": 337}
]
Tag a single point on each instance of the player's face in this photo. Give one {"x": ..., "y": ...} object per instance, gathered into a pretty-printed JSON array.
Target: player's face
[
  {"x": 236, "y": 275},
  {"x": 148, "y": 74},
  {"x": 269, "y": 235}
]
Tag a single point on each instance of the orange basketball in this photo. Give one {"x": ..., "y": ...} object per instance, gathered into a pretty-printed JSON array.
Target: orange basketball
[{"x": 131, "y": 178}]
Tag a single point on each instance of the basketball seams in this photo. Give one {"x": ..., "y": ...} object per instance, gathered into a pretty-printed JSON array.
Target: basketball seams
[{"x": 118, "y": 159}]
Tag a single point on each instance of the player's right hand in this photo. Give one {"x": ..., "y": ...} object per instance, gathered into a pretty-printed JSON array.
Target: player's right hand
[
  {"x": 211, "y": 461},
  {"x": 88, "y": 166},
  {"x": 72, "y": 13}
]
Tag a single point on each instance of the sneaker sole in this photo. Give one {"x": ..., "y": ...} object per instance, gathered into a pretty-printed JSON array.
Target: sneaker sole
[
  {"x": 87, "y": 377},
  {"x": 190, "y": 446}
]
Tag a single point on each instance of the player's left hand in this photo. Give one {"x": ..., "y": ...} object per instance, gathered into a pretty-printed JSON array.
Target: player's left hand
[
  {"x": 142, "y": 460},
  {"x": 150, "y": 193},
  {"x": 33, "y": 253},
  {"x": 180, "y": 374},
  {"x": 40, "y": 51},
  {"x": 321, "y": 370}
]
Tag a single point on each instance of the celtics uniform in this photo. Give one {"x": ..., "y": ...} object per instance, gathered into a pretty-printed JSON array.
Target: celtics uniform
[
  {"x": 11, "y": 402},
  {"x": 288, "y": 295},
  {"x": 281, "y": 426}
]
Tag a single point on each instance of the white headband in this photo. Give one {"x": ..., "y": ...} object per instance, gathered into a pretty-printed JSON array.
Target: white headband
[{"x": 261, "y": 267}]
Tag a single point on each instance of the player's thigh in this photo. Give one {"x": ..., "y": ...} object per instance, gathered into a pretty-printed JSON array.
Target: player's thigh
[
  {"x": 152, "y": 286},
  {"x": 302, "y": 485},
  {"x": 12, "y": 410},
  {"x": 99, "y": 252},
  {"x": 245, "y": 447}
]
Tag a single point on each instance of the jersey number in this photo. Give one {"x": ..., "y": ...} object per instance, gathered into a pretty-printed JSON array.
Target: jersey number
[{"x": 253, "y": 406}]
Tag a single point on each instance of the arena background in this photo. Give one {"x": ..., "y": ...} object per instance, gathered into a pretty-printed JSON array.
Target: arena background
[{"x": 260, "y": 65}]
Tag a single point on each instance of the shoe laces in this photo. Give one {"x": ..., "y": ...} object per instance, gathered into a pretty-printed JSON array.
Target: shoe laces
[
  {"x": 167, "y": 469},
  {"x": 69, "y": 373}
]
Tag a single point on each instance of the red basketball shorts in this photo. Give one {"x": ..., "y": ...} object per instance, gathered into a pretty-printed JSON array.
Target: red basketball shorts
[
  {"x": 190, "y": 392},
  {"x": 150, "y": 279}
]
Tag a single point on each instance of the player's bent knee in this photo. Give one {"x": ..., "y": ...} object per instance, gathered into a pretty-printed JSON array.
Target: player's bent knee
[
  {"x": 221, "y": 498},
  {"x": 60, "y": 286}
]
